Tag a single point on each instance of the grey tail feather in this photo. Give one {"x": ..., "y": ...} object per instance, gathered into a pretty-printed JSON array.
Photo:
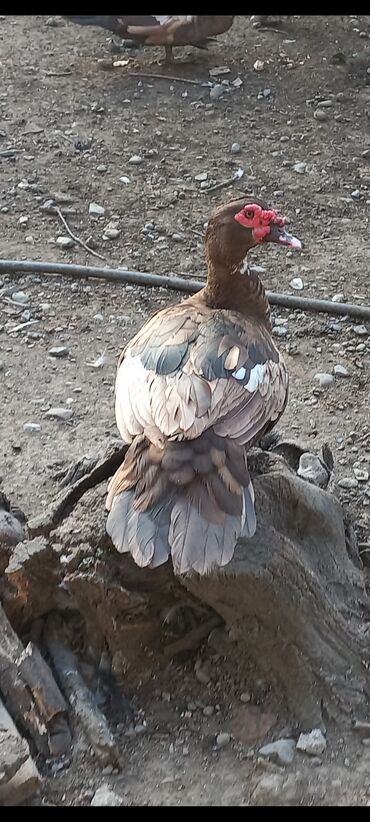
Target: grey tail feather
[
  {"x": 202, "y": 546},
  {"x": 144, "y": 534},
  {"x": 195, "y": 543}
]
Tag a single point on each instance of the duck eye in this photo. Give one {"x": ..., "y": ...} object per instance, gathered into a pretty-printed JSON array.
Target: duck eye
[{"x": 249, "y": 214}]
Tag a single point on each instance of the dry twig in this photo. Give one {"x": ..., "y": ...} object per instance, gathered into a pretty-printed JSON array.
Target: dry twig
[{"x": 74, "y": 236}]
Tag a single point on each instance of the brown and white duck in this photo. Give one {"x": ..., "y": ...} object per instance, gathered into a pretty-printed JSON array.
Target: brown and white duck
[
  {"x": 198, "y": 385},
  {"x": 160, "y": 30}
]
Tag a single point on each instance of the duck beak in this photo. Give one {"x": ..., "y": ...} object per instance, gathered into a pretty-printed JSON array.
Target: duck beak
[
  {"x": 289, "y": 239},
  {"x": 281, "y": 237}
]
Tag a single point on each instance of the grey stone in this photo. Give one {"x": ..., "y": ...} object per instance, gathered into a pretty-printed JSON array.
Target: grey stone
[
  {"x": 360, "y": 330},
  {"x": 223, "y": 739},
  {"x": 282, "y": 751},
  {"x": 65, "y": 242},
  {"x": 216, "y": 91},
  {"x": 324, "y": 379},
  {"x": 20, "y": 297},
  {"x": 320, "y": 114},
  {"x": 300, "y": 168},
  {"x": 279, "y": 331},
  {"x": 311, "y": 469},
  {"x": 60, "y": 413},
  {"x": 297, "y": 284},
  {"x": 312, "y": 743},
  {"x": 96, "y": 210},
  {"x": 104, "y": 797},
  {"x": 348, "y": 483},
  {"x": 59, "y": 351},
  {"x": 361, "y": 474},
  {"x": 341, "y": 371},
  {"x": 111, "y": 233}
]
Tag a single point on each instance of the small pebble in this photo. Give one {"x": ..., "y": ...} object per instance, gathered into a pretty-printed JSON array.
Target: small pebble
[
  {"x": 216, "y": 91},
  {"x": 279, "y": 331},
  {"x": 20, "y": 297},
  {"x": 60, "y": 413},
  {"x": 360, "y": 330},
  {"x": 312, "y": 743},
  {"x": 312, "y": 470},
  {"x": 65, "y": 242},
  {"x": 235, "y": 148},
  {"x": 135, "y": 160},
  {"x": 338, "y": 298},
  {"x": 348, "y": 483},
  {"x": 282, "y": 751},
  {"x": 223, "y": 739},
  {"x": 111, "y": 233},
  {"x": 320, "y": 114},
  {"x": 208, "y": 710},
  {"x": 105, "y": 797},
  {"x": 296, "y": 283},
  {"x": 361, "y": 474},
  {"x": 58, "y": 351},
  {"x": 31, "y": 427},
  {"x": 202, "y": 674},
  {"x": 325, "y": 104},
  {"x": 96, "y": 210},
  {"x": 324, "y": 379},
  {"x": 300, "y": 168},
  {"x": 125, "y": 180},
  {"x": 341, "y": 371}
]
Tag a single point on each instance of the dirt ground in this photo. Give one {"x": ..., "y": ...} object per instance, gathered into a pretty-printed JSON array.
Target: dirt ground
[{"x": 72, "y": 127}]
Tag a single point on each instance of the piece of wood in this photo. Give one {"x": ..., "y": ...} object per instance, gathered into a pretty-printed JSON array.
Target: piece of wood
[
  {"x": 83, "y": 705},
  {"x": 193, "y": 639},
  {"x": 19, "y": 777},
  {"x": 293, "y": 595},
  {"x": 22, "y": 786},
  {"x": 31, "y": 693},
  {"x": 294, "y": 600}
]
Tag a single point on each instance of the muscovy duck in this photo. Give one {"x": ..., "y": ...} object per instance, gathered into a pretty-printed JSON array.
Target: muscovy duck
[{"x": 198, "y": 385}]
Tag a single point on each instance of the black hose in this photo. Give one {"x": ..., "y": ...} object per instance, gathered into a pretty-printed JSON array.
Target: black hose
[{"x": 359, "y": 312}]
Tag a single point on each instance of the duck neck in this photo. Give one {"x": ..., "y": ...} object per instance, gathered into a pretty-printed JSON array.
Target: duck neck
[{"x": 236, "y": 287}]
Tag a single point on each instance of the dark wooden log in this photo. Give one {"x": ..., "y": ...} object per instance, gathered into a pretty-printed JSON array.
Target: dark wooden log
[
  {"x": 31, "y": 693},
  {"x": 295, "y": 601},
  {"x": 85, "y": 710}
]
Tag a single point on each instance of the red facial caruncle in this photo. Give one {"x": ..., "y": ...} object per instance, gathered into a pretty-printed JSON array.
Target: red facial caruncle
[{"x": 259, "y": 220}]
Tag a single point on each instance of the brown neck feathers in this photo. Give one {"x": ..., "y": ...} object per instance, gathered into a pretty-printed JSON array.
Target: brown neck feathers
[{"x": 231, "y": 284}]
